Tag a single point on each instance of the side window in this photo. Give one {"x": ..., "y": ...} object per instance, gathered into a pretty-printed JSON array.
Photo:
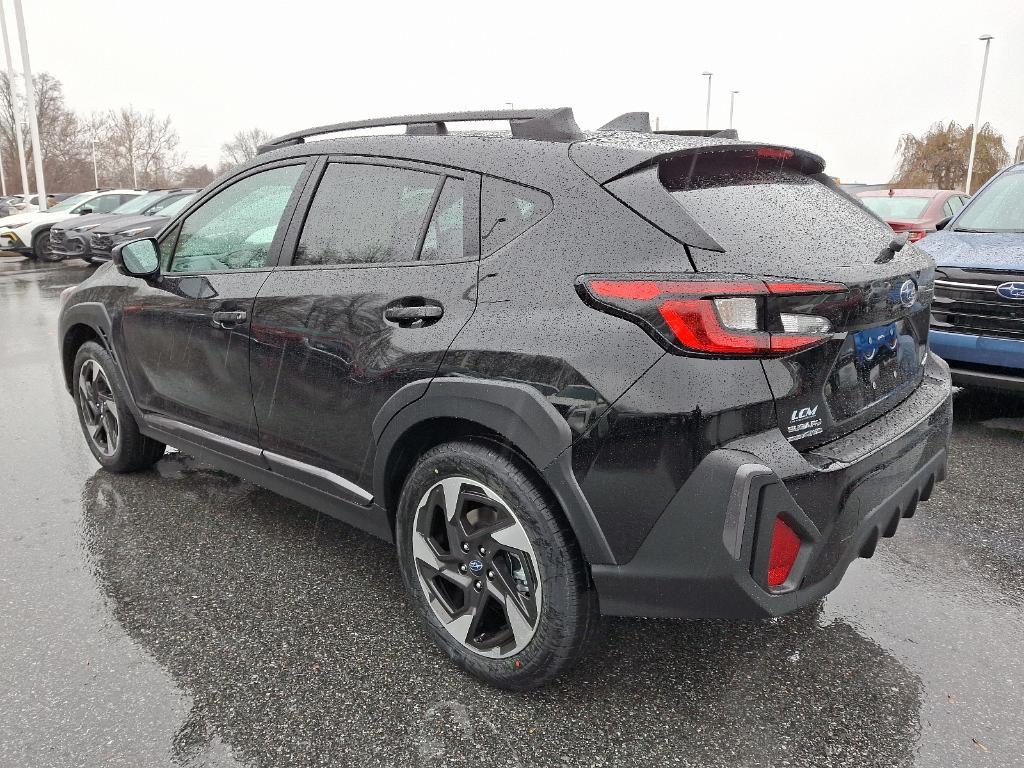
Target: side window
[
  {"x": 960, "y": 202},
  {"x": 101, "y": 204},
  {"x": 235, "y": 228},
  {"x": 443, "y": 239},
  {"x": 947, "y": 207},
  {"x": 507, "y": 210},
  {"x": 365, "y": 214},
  {"x": 162, "y": 203}
]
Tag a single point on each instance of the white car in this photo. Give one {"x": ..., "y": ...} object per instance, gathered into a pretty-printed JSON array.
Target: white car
[{"x": 28, "y": 232}]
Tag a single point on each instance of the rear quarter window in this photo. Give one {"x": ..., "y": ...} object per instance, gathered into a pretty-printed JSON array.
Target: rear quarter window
[{"x": 507, "y": 210}]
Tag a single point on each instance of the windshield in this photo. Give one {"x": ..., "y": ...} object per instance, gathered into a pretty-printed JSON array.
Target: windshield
[
  {"x": 139, "y": 204},
  {"x": 897, "y": 207},
  {"x": 176, "y": 207},
  {"x": 999, "y": 207},
  {"x": 72, "y": 201}
]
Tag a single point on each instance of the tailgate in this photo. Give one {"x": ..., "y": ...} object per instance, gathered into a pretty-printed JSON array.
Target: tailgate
[{"x": 769, "y": 212}]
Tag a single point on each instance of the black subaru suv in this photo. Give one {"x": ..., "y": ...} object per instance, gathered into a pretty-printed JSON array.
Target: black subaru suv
[{"x": 568, "y": 373}]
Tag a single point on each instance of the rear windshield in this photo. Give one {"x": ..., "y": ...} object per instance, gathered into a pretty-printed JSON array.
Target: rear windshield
[
  {"x": 897, "y": 207},
  {"x": 998, "y": 208},
  {"x": 780, "y": 218}
]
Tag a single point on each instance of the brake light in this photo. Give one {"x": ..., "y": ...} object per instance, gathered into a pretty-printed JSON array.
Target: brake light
[
  {"x": 716, "y": 315},
  {"x": 774, "y": 153},
  {"x": 782, "y": 555}
]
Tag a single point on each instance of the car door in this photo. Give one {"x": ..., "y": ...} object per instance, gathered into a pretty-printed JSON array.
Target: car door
[
  {"x": 186, "y": 335},
  {"x": 373, "y": 287}
]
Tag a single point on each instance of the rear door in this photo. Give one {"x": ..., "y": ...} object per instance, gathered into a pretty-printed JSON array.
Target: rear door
[
  {"x": 187, "y": 335},
  {"x": 376, "y": 280}
]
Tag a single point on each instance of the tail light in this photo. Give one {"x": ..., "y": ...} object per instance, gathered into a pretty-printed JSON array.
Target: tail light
[
  {"x": 915, "y": 235},
  {"x": 717, "y": 315},
  {"x": 784, "y": 549}
]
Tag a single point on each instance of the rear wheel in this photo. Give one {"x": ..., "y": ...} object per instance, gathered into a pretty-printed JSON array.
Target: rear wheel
[
  {"x": 42, "y": 248},
  {"x": 109, "y": 427},
  {"x": 492, "y": 567}
]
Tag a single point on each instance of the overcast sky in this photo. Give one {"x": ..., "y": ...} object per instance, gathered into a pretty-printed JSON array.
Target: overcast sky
[{"x": 845, "y": 84}]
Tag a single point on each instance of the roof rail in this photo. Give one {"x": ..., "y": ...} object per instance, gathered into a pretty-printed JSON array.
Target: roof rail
[
  {"x": 540, "y": 124},
  {"x": 629, "y": 121}
]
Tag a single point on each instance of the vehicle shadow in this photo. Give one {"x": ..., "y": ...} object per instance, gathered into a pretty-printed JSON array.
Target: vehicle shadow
[{"x": 292, "y": 636}]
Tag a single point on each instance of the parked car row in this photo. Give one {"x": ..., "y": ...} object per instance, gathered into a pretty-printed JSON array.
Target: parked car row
[
  {"x": 12, "y": 204},
  {"x": 32, "y": 232},
  {"x": 92, "y": 237}
]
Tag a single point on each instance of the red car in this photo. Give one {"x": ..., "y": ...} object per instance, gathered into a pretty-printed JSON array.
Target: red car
[{"x": 913, "y": 210}]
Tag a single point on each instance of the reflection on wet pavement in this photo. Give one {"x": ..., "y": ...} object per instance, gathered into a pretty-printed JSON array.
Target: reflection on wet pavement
[
  {"x": 183, "y": 617},
  {"x": 290, "y": 631}
]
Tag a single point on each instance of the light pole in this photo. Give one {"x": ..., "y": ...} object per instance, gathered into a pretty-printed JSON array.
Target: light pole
[
  {"x": 707, "y": 111},
  {"x": 732, "y": 105},
  {"x": 977, "y": 113},
  {"x": 30, "y": 105},
  {"x": 15, "y": 106}
]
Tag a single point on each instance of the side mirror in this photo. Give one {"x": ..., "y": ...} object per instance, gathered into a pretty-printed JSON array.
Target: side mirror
[
  {"x": 138, "y": 258},
  {"x": 941, "y": 223},
  {"x": 84, "y": 211}
]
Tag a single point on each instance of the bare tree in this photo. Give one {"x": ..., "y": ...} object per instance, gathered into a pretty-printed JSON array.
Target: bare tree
[
  {"x": 243, "y": 147},
  {"x": 938, "y": 158},
  {"x": 139, "y": 149},
  {"x": 60, "y": 136}
]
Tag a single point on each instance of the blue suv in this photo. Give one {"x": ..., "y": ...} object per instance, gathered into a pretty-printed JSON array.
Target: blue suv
[{"x": 977, "y": 316}]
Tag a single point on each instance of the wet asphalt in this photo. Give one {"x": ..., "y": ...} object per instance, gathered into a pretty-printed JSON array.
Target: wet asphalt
[{"x": 183, "y": 617}]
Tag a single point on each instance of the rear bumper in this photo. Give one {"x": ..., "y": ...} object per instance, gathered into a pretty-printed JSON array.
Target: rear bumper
[{"x": 706, "y": 555}]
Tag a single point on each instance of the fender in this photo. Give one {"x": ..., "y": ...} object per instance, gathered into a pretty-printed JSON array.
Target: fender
[
  {"x": 516, "y": 411},
  {"x": 96, "y": 316},
  {"x": 92, "y": 314}
]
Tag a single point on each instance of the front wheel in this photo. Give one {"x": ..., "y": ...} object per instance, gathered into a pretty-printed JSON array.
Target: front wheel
[
  {"x": 109, "y": 427},
  {"x": 492, "y": 567},
  {"x": 42, "y": 248}
]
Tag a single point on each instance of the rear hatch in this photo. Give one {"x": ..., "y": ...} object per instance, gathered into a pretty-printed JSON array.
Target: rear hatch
[{"x": 769, "y": 212}]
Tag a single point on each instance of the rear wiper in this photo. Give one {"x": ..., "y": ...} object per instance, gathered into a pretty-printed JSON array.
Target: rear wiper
[{"x": 895, "y": 246}]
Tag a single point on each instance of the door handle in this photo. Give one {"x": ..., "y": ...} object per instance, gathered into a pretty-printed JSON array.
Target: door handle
[
  {"x": 413, "y": 312},
  {"x": 229, "y": 318},
  {"x": 398, "y": 314}
]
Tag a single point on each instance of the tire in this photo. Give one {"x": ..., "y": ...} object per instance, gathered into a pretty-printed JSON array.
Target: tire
[
  {"x": 475, "y": 493},
  {"x": 41, "y": 248},
  {"x": 110, "y": 429}
]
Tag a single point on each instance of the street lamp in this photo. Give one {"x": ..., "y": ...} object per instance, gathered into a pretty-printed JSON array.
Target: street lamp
[
  {"x": 732, "y": 105},
  {"x": 977, "y": 113},
  {"x": 707, "y": 112},
  {"x": 30, "y": 106}
]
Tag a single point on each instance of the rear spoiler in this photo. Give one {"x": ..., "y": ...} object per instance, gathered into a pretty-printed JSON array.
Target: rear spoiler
[{"x": 631, "y": 171}]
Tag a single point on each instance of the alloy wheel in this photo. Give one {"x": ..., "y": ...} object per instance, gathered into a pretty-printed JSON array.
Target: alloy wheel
[
  {"x": 98, "y": 409},
  {"x": 477, "y": 567}
]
